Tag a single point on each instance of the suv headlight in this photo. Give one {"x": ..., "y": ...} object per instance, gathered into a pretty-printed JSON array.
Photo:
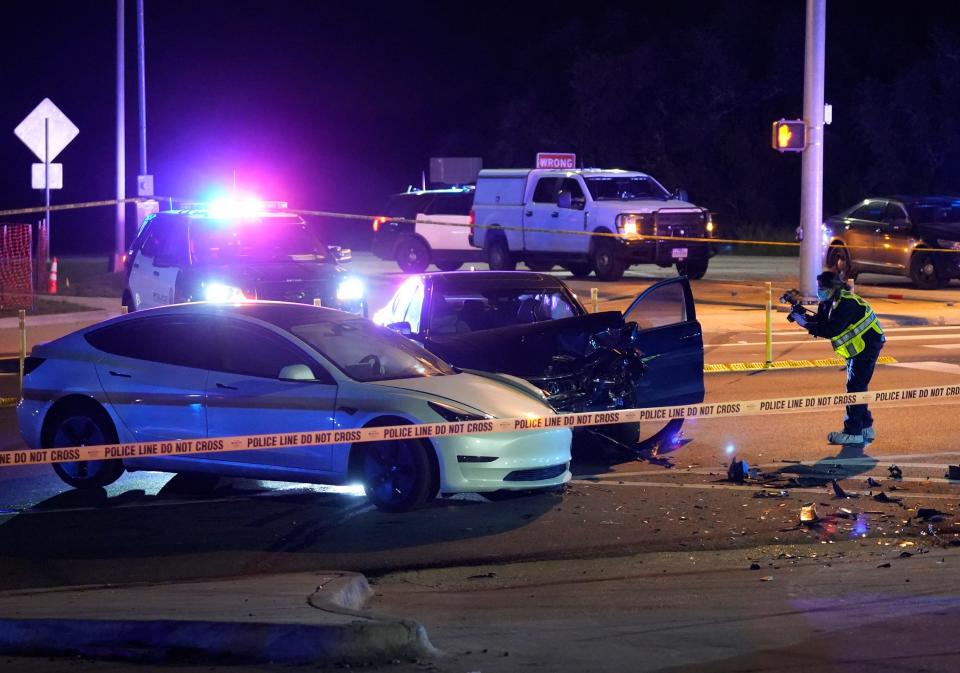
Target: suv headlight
[
  {"x": 631, "y": 224},
  {"x": 949, "y": 245},
  {"x": 224, "y": 293},
  {"x": 453, "y": 415},
  {"x": 350, "y": 289}
]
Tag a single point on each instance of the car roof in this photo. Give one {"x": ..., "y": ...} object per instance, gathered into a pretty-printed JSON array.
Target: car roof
[
  {"x": 467, "y": 280},
  {"x": 561, "y": 172},
  {"x": 278, "y": 313}
]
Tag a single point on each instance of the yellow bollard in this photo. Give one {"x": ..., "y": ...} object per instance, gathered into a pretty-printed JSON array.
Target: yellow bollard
[
  {"x": 595, "y": 299},
  {"x": 22, "y": 315},
  {"x": 769, "y": 323},
  {"x": 124, "y": 309},
  {"x": 317, "y": 302}
]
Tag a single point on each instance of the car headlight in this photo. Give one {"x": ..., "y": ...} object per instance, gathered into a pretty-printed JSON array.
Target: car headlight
[
  {"x": 949, "y": 245},
  {"x": 223, "y": 293},
  {"x": 350, "y": 289},
  {"x": 453, "y": 415},
  {"x": 628, "y": 224}
]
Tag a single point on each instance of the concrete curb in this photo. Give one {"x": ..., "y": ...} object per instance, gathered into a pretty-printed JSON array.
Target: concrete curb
[{"x": 336, "y": 632}]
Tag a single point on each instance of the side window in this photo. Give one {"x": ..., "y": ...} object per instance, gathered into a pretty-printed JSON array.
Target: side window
[
  {"x": 173, "y": 244},
  {"x": 659, "y": 306},
  {"x": 872, "y": 212},
  {"x": 572, "y": 186},
  {"x": 184, "y": 342},
  {"x": 151, "y": 240},
  {"x": 414, "y": 309},
  {"x": 451, "y": 204},
  {"x": 894, "y": 213},
  {"x": 547, "y": 190},
  {"x": 249, "y": 350}
]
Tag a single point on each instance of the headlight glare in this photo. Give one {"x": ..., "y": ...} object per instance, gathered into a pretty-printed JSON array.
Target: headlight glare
[
  {"x": 222, "y": 293},
  {"x": 350, "y": 289}
]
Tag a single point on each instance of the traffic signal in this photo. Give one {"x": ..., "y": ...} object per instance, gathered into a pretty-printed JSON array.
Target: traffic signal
[{"x": 789, "y": 135}]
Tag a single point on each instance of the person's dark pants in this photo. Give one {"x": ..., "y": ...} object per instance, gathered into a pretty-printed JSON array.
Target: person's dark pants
[{"x": 859, "y": 372}]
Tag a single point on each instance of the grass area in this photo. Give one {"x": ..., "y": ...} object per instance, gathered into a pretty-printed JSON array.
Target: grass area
[
  {"x": 88, "y": 277},
  {"x": 46, "y": 306}
]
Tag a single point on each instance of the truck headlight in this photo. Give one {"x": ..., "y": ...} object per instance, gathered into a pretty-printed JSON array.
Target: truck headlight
[
  {"x": 223, "y": 293},
  {"x": 350, "y": 289},
  {"x": 949, "y": 245},
  {"x": 628, "y": 224}
]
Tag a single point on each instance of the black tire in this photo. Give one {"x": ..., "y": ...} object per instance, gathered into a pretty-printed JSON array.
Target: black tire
[
  {"x": 412, "y": 255},
  {"x": 838, "y": 261},
  {"x": 580, "y": 270},
  {"x": 540, "y": 267},
  {"x": 448, "y": 266},
  {"x": 694, "y": 269},
  {"x": 85, "y": 425},
  {"x": 605, "y": 262},
  {"x": 396, "y": 474},
  {"x": 498, "y": 255},
  {"x": 923, "y": 272}
]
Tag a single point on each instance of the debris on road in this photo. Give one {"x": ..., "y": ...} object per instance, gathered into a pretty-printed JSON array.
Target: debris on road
[
  {"x": 953, "y": 472},
  {"x": 872, "y": 483},
  {"x": 738, "y": 471},
  {"x": 754, "y": 566},
  {"x": 771, "y": 494},
  {"x": 931, "y": 514},
  {"x": 808, "y": 514},
  {"x": 884, "y": 565},
  {"x": 838, "y": 491},
  {"x": 883, "y": 497},
  {"x": 895, "y": 472}
]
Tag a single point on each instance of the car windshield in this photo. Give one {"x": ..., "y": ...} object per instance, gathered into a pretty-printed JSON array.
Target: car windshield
[
  {"x": 365, "y": 352},
  {"x": 456, "y": 312},
  {"x": 261, "y": 240},
  {"x": 626, "y": 188}
]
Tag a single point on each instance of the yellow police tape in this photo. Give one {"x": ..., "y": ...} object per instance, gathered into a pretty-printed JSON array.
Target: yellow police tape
[
  {"x": 810, "y": 403},
  {"x": 564, "y": 232},
  {"x": 785, "y": 364}
]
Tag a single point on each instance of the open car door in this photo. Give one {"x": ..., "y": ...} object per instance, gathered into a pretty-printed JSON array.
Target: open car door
[{"x": 671, "y": 341}]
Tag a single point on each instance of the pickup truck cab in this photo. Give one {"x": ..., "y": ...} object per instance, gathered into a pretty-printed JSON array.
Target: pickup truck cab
[{"x": 587, "y": 220}]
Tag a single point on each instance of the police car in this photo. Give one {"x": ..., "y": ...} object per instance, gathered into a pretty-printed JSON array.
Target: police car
[
  {"x": 230, "y": 251},
  {"x": 426, "y": 226}
]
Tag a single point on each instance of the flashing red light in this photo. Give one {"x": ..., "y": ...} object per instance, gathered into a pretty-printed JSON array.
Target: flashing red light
[{"x": 377, "y": 221}]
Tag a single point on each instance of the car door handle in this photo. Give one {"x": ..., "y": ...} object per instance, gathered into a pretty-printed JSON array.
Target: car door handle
[
  {"x": 120, "y": 374},
  {"x": 224, "y": 386},
  {"x": 555, "y": 213},
  {"x": 529, "y": 213}
]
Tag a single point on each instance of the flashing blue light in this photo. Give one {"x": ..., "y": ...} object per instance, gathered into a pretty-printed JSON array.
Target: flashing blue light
[
  {"x": 350, "y": 289},
  {"x": 730, "y": 449}
]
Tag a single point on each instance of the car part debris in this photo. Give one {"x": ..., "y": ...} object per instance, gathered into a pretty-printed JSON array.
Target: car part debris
[
  {"x": 873, "y": 483},
  {"x": 808, "y": 514},
  {"x": 771, "y": 494},
  {"x": 883, "y": 497},
  {"x": 930, "y": 514},
  {"x": 884, "y": 565},
  {"x": 838, "y": 491},
  {"x": 754, "y": 566},
  {"x": 738, "y": 471},
  {"x": 953, "y": 472},
  {"x": 895, "y": 472}
]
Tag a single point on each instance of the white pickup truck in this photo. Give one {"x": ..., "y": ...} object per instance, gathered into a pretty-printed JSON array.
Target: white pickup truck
[{"x": 547, "y": 217}]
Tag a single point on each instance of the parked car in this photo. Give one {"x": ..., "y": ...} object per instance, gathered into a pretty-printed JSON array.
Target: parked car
[
  {"x": 213, "y": 370},
  {"x": 540, "y": 216},
  {"x": 439, "y": 235},
  {"x": 913, "y": 236},
  {"x": 532, "y": 326},
  {"x": 230, "y": 251}
]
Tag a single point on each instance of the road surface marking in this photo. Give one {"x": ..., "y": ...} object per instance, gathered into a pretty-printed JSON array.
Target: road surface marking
[
  {"x": 931, "y": 366},
  {"x": 711, "y": 368},
  {"x": 916, "y": 337},
  {"x": 943, "y": 346},
  {"x": 955, "y": 328}
]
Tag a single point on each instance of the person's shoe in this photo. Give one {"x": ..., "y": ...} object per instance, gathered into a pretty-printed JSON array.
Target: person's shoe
[
  {"x": 843, "y": 438},
  {"x": 869, "y": 434}
]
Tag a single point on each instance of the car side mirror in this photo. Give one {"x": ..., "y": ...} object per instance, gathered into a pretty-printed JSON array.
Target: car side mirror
[
  {"x": 401, "y": 327},
  {"x": 296, "y": 373},
  {"x": 340, "y": 254},
  {"x": 681, "y": 195}
]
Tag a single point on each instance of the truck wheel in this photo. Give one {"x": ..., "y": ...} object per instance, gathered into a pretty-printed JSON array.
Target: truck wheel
[
  {"x": 413, "y": 255},
  {"x": 579, "y": 270},
  {"x": 605, "y": 262},
  {"x": 498, "y": 255},
  {"x": 448, "y": 266},
  {"x": 540, "y": 267},
  {"x": 923, "y": 272},
  {"x": 694, "y": 269}
]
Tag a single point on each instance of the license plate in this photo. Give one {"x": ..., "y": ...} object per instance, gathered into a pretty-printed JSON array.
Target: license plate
[{"x": 679, "y": 253}]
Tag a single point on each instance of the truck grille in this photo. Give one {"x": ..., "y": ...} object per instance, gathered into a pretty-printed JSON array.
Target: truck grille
[{"x": 680, "y": 222}]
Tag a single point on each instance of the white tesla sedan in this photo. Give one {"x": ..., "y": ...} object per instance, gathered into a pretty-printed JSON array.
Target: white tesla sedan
[{"x": 213, "y": 370}]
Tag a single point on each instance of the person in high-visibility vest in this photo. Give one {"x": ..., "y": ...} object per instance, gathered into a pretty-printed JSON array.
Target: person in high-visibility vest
[{"x": 856, "y": 336}]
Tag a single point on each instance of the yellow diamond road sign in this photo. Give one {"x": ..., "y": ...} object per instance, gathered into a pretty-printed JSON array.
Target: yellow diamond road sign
[{"x": 32, "y": 130}]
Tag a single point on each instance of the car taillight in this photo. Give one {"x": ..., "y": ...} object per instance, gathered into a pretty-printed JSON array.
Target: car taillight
[{"x": 377, "y": 221}]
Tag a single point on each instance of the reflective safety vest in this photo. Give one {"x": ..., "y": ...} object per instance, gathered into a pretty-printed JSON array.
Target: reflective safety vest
[{"x": 849, "y": 343}]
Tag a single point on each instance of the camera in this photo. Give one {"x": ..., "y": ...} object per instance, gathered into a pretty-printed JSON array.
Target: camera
[{"x": 795, "y": 299}]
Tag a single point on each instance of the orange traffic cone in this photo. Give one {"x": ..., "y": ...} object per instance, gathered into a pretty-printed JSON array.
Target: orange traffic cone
[{"x": 52, "y": 282}]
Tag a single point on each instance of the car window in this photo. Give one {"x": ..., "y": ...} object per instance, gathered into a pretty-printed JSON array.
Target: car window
[
  {"x": 572, "y": 186},
  {"x": 366, "y": 352},
  {"x": 872, "y": 212},
  {"x": 894, "y": 213},
  {"x": 547, "y": 190},
  {"x": 254, "y": 240},
  {"x": 249, "y": 350},
  {"x": 414, "y": 308},
  {"x": 172, "y": 340},
  {"x": 405, "y": 206},
  {"x": 456, "y": 312},
  {"x": 450, "y": 204},
  {"x": 172, "y": 245},
  {"x": 153, "y": 240},
  {"x": 626, "y": 188},
  {"x": 659, "y": 306}
]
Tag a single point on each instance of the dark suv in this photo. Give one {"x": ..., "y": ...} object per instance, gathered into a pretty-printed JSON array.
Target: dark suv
[
  {"x": 914, "y": 236},
  {"x": 226, "y": 253}
]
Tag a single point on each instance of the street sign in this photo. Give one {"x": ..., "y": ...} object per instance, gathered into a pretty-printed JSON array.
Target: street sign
[
  {"x": 563, "y": 160},
  {"x": 38, "y": 175},
  {"x": 144, "y": 185},
  {"x": 32, "y": 130}
]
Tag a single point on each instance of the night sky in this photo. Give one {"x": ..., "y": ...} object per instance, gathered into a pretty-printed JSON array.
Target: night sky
[{"x": 334, "y": 105}]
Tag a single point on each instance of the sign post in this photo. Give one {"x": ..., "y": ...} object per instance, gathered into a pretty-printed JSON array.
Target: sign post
[{"x": 46, "y": 131}]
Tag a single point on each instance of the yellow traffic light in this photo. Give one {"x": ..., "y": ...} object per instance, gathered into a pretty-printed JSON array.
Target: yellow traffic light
[{"x": 789, "y": 135}]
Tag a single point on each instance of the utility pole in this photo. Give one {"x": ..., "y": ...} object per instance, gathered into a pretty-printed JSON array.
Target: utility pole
[
  {"x": 142, "y": 88},
  {"x": 120, "y": 229},
  {"x": 811, "y": 189}
]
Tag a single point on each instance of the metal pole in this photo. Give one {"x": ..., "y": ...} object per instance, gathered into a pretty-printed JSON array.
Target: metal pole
[
  {"x": 142, "y": 88},
  {"x": 769, "y": 323},
  {"x": 120, "y": 229},
  {"x": 22, "y": 318},
  {"x": 46, "y": 169},
  {"x": 811, "y": 198}
]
